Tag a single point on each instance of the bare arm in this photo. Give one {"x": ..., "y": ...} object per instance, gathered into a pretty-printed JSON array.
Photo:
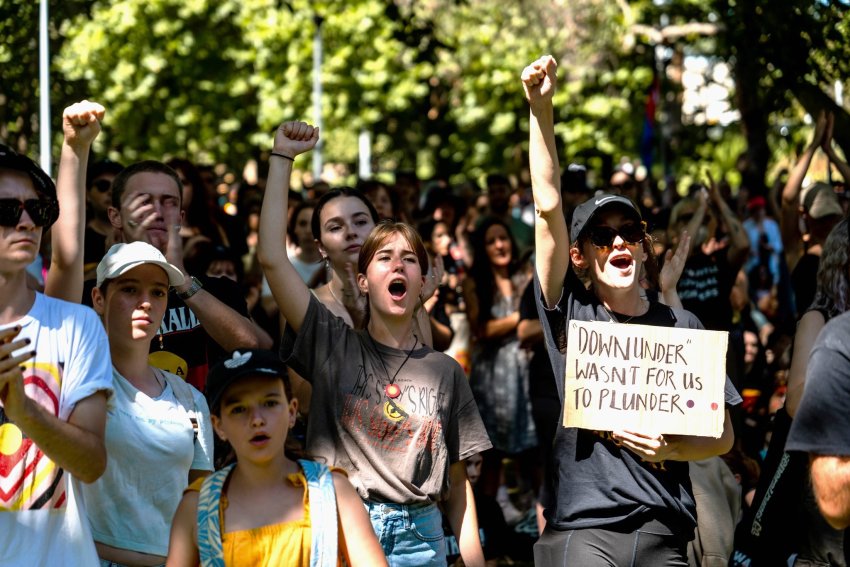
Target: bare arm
[
  {"x": 463, "y": 518},
  {"x": 290, "y": 293},
  {"x": 225, "y": 325},
  {"x": 656, "y": 448},
  {"x": 493, "y": 328},
  {"x": 75, "y": 445},
  {"x": 843, "y": 167},
  {"x": 183, "y": 542},
  {"x": 361, "y": 543},
  {"x": 529, "y": 332},
  {"x": 790, "y": 202},
  {"x": 551, "y": 236},
  {"x": 739, "y": 242},
  {"x": 831, "y": 482},
  {"x": 81, "y": 125},
  {"x": 696, "y": 220},
  {"x": 810, "y": 325}
]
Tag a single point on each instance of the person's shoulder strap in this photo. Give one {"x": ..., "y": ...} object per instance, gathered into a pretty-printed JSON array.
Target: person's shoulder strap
[
  {"x": 209, "y": 519},
  {"x": 183, "y": 393},
  {"x": 323, "y": 513}
]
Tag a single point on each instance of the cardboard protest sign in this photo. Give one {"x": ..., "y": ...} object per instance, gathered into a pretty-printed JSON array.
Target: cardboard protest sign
[{"x": 645, "y": 378}]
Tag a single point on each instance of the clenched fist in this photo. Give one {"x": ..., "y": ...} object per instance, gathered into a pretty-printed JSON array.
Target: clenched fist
[
  {"x": 540, "y": 79},
  {"x": 81, "y": 123},
  {"x": 293, "y": 138}
]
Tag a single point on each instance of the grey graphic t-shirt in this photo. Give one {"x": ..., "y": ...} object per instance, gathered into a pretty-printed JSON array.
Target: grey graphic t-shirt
[{"x": 395, "y": 450}]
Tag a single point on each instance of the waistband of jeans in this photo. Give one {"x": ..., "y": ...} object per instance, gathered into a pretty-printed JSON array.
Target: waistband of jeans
[{"x": 413, "y": 506}]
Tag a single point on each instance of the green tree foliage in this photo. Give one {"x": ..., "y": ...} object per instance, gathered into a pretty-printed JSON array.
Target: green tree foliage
[
  {"x": 435, "y": 81},
  {"x": 19, "y": 59}
]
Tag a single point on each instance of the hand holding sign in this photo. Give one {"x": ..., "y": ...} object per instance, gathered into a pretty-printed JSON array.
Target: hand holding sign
[{"x": 652, "y": 448}]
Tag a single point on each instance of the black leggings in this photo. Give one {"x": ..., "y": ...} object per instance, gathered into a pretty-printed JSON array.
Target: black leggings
[{"x": 598, "y": 547}]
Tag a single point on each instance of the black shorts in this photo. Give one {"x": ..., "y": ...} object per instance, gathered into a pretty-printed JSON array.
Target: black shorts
[{"x": 598, "y": 547}]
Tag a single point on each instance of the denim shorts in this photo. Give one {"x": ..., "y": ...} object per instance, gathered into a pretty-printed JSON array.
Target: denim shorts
[{"x": 411, "y": 534}]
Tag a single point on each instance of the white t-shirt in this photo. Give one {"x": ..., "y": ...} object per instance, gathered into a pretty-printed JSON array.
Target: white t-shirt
[
  {"x": 42, "y": 516},
  {"x": 151, "y": 448}
]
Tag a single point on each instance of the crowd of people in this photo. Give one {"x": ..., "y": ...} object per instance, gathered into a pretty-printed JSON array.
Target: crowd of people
[{"x": 198, "y": 370}]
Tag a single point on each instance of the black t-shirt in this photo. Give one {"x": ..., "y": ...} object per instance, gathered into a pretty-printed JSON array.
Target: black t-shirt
[
  {"x": 595, "y": 482},
  {"x": 94, "y": 248},
  {"x": 804, "y": 280},
  {"x": 185, "y": 348},
  {"x": 541, "y": 382},
  {"x": 822, "y": 423},
  {"x": 704, "y": 289}
]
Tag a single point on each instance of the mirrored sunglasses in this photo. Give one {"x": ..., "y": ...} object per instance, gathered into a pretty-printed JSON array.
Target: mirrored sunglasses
[
  {"x": 43, "y": 212},
  {"x": 603, "y": 236}
]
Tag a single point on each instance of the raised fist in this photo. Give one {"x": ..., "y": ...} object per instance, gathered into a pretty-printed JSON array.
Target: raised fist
[
  {"x": 81, "y": 123},
  {"x": 293, "y": 138},
  {"x": 540, "y": 79}
]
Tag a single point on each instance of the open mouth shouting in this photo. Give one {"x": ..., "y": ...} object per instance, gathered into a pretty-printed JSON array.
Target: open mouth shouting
[
  {"x": 621, "y": 261},
  {"x": 398, "y": 289}
]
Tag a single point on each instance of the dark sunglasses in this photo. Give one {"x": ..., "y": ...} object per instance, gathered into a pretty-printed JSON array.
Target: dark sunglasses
[
  {"x": 102, "y": 185},
  {"x": 43, "y": 212},
  {"x": 603, "y": 236}
]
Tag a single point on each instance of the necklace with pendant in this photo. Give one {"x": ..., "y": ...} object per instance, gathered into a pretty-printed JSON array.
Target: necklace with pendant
[
  {"x": 391, "y": 389},
  {"x": 616, "y": 320}
]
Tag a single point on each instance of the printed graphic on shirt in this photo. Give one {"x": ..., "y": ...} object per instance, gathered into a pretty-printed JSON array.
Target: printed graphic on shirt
[
  {"x": 168, "y": 361},
  {"x": 412, "y": 420},
  {"x": 178, "y": 319},
  {"x": 699, "y": 285},
  {"x": 29, "y": 480}
]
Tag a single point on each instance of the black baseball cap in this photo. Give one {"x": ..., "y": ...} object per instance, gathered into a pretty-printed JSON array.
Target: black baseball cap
[
  {"x": 242, "y": 364},
  {"x": 10, "y": 159},
  {"x": 586, "y": 211}
]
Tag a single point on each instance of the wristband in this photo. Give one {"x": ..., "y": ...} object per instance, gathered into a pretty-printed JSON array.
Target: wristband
[
  {"x": 284, "y": 156},
  {"x": 194, "y": 288}
]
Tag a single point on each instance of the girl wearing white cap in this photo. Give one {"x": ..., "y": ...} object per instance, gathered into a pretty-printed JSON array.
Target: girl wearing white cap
[
  {"x": 621, "y": 498},
  {"x": 158, "y": 434}
]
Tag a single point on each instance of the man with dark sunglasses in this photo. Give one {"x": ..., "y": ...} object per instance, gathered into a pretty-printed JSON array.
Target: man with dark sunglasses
[{"x": 55, "y": 375}]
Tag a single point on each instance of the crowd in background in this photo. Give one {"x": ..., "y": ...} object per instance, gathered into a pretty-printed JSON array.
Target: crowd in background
[{"x": 759, "y": 284}]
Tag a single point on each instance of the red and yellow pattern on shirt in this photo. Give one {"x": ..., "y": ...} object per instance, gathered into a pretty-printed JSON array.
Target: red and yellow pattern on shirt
[{"x": 29, "y": 480}]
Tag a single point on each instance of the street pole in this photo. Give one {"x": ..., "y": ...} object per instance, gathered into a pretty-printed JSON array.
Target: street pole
[
  {"x": 364, "y": 143},
  {"x": 44, "y": 88},
  {"x": 317, "y": 97}
]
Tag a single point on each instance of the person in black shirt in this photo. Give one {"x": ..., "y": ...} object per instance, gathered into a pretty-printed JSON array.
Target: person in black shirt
[{"x": 623, "y": 497}]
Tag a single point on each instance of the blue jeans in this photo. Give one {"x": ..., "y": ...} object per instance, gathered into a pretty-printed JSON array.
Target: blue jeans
[{"x": 411, "y": 534}]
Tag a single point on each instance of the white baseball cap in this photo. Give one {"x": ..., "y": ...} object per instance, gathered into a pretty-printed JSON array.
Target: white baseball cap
[{"x": 122, "y": 258}]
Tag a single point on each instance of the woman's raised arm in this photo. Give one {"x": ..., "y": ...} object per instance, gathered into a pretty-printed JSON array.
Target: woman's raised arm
[
  {"x": 551, "y": 237},
  {"x": 288, "y": 289}
]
